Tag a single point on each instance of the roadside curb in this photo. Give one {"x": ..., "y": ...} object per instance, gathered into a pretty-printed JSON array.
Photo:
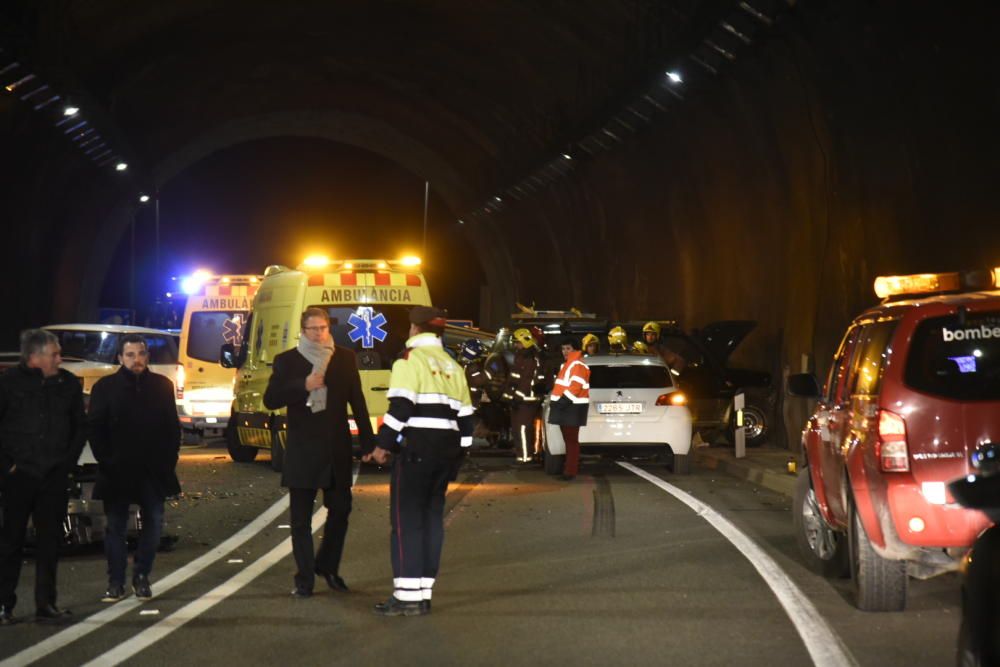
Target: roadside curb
[{"x": 746, "y": 469}]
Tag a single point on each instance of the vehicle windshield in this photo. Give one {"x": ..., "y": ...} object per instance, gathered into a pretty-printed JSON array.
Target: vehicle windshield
[
  {"x": 956, "y": 360},
  {"x": 102, "y": 346},
  {"x": 377, "y": 332},
  {"x": 208, "y": 330},
  {"x": 629, "y": 377}
]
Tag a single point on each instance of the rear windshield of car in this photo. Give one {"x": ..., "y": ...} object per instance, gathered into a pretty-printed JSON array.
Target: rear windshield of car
[
  {"x": 102, "y": 346},
  {"x": 377, "y": 333},
  {"x": 209, "y": 330},
  {"x": 959, "y": 360},
  {"x": 629, "y": 377}
]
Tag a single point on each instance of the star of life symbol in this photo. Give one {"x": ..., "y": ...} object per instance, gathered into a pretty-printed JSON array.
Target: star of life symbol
[
  {"x": 232, "y": 330},
  {"x": 367, "y": 327}
]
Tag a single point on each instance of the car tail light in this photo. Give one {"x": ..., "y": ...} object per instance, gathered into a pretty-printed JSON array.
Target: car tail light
[
  {"x": 891, "y": 448},
  {"x": 180, "y": 381},
  {"x": 673, "y": 398}
]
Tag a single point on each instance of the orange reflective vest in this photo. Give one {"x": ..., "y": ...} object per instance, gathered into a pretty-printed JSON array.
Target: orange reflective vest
[{"x": 573, "y": 380}]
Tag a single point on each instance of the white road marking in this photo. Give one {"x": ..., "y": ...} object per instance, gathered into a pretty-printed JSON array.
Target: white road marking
[
  {"x": 192, "y": 610},
  {"x": 822, "y": 643},
  {"x": 95, "y": 621}
]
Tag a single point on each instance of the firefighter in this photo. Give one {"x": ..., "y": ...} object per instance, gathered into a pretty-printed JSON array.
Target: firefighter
[
  {"x": 618, "y": 340},
  {"x": 427, "y": 428},
  {"x": 651, "y": 334},
  {"x": 569, "y": 402},
  {"x": 523, "y": 382},
  {"x": 591, "y": 345},
  {"x": 472, "y": 354}
]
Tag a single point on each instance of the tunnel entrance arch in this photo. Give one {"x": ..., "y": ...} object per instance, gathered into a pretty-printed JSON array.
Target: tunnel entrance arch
[{"x": 351, "y": 129}]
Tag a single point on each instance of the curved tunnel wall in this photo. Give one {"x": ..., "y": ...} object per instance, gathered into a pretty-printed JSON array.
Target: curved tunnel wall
[{"x": 848, "y": 146}]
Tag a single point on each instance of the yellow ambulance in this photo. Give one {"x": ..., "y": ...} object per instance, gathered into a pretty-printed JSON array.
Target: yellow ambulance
[
  {"x": 216, "y": 313},
  {"x": 368, "y": 301}
]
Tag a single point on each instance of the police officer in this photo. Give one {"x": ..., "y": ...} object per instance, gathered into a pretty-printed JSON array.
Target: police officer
[
  {"x": 428, "y": 423},
  {"x": 651, "y": 334},
  {"x": 522, "y": 382},
  {"x": 42, "y": 432}
]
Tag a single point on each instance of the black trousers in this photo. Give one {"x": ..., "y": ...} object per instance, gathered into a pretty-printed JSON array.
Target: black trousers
[
  {"x": 44, "y": 501},
  {"x": 337, "y": 501},
  {"x": 419, "y": 483}
]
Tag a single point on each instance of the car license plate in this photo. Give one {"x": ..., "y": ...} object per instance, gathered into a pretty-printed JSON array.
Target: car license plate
[{"x": 619, "y": 408}]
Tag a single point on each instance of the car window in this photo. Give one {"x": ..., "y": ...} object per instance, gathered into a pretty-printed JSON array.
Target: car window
[
  {"x": 836, "y": 382},
  {"x": 97, "y": 346},
  {"x": 208, "y": 331},
  {"x": 629, "y": 377},
  {"x": 684, "y": 347},
  {"x": 161, "y": 349},
  {"x": 959, "y": 360},
  {"x": 869, "y": 361}
]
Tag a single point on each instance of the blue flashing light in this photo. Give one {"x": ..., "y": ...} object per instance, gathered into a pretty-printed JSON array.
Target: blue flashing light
[{"x": 190, "y": 284}]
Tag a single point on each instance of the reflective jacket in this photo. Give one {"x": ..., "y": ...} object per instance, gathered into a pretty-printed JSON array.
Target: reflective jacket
[
  {"x": 429, "y": 402},
  {"x": 524, "y": 378},
  {"x": 571, "y": 392}
]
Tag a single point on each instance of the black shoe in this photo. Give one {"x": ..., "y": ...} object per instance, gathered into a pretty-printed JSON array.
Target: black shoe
[
  {"x": 7, "y": 616},
  {"x": 567, "y": 478},
  {"x": 141, "y": 587},
  {"x": 114, "y": 593},
  {"x": 335, "y": 582},
  {"x": 394, "y": 607},
  {"x": 301, "y": 593},
  {"x": 51, "y": 613}
]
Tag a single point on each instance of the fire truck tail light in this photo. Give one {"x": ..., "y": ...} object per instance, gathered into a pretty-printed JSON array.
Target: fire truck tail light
[
  {"x": 180, "y": 381},
  {"x": 891, "y": 448}
]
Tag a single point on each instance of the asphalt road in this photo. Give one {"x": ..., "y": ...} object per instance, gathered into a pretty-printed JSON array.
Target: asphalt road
[{"x": 607, "y": 569}]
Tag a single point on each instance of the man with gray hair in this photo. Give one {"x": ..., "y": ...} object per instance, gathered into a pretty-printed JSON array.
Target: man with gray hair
[{"x": 42, "y": 432}]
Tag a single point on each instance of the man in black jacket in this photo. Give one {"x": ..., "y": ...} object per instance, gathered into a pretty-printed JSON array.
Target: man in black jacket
[
  {"x": 135, "y": 435},
  {"x": 316, "y": 381},
  {"x": 42, "y": 433}
]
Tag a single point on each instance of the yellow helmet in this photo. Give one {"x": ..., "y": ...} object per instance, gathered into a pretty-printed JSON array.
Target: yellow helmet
[
  {"x": 651, "y": 326},
  {"x": 524, "y": 337},
  {"x": 588, "y": 339},
  {"x": 617, "y": 337},
  {"x": 640, "y": 348}
]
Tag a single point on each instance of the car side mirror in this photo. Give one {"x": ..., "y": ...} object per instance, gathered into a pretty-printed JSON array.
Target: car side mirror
[
  {"x": 228, "y": 357},
  {"x": 804, "y": 385}
]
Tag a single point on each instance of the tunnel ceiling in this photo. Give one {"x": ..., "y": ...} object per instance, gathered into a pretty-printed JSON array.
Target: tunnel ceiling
[{"x": 491, "y": 88}]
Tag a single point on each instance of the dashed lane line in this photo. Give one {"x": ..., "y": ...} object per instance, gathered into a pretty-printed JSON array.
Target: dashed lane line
[
  {"x": 199, "y": 606},
  {"x": 96, "y": 621},
  {"x": 824, "y": 646}
]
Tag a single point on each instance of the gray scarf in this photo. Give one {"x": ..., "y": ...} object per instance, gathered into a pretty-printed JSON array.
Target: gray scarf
[{"x": 319, "y": 355}]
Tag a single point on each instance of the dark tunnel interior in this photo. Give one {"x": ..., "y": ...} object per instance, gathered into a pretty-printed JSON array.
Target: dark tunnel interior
[{"x": 806, "y": 148}]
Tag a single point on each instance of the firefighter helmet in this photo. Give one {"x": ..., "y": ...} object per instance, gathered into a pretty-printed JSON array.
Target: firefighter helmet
[
  {"x": 640, "y": 348},
  {"x": 471, "y": 350},
  {"x": 618, "y": 338},
  {"x": 524, "y": 337},
  {"x": 590, "y": 339},
  {"x": 651, "y": 327}
]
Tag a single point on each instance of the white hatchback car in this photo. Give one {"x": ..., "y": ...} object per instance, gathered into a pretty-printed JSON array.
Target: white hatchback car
[{"x": 635, "y": 407}]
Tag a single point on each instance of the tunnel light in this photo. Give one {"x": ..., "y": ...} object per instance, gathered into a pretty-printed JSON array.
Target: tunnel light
[
  {"x": 497, "y": 198},
  {"x": 675, "y": 77},
  {"x": 143, "y": 198},
  {"x": 567, "y": 156},
  {"x": 316, "y": 261},
  {"x": 121, "y": 166},
  {"x": 71, "y": 111},
  {"x": 410, "y": 260},
  {"x": 461, "y": 222}
]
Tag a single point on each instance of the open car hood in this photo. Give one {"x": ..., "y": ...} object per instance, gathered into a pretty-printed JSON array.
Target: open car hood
[{"x": 721, "y": 338}]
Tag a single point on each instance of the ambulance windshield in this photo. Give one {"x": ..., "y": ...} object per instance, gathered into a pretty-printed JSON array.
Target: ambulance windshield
[
  {"x": 376, "y": 332},
  {"x": 208, "y": 330}
]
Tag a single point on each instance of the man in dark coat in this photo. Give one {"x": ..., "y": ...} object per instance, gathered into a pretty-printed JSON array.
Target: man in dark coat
[
  {"x": 135, "y": 436},
  {"x": 316, "y": 382},
  {"x": 42, "y": 433}
]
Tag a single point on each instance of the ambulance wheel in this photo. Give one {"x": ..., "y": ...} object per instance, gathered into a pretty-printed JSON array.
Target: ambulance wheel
[
  {"x": 554, "y": 463},
  {"x": 239, "y": 453},
  {"x": 277, "y": 453}
]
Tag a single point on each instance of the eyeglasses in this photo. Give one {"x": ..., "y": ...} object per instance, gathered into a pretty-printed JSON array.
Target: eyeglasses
[{"x": 320, "y": 328}]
